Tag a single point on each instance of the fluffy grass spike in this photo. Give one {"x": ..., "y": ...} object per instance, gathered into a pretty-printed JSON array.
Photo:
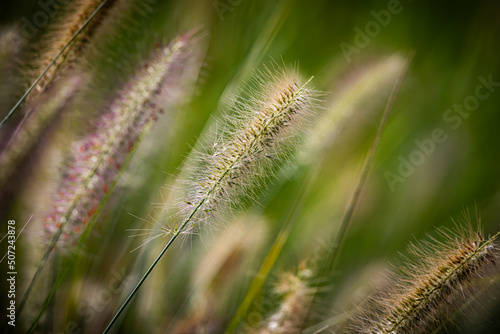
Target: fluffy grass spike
[
  {"x": 62, "y": 32},
  {"x": 430, "y": 288},
  {"x": 97, "y": 158},
  {"x": 297, "y": 294},
  {"x": 258, "y": 138}
]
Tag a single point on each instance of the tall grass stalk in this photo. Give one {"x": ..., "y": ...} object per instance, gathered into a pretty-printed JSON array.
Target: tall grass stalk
[
  {"x": 257, "y": 144},
  {"x": 98, "y": 157},
  {"x": 365, "y": 170}
]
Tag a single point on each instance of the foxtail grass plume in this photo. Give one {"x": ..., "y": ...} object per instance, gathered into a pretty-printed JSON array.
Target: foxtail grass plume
[
  {"x": 432, "y": 286},
  {"x": 258, "y": 138},
  {"x": 67, "y": 21},
  {"x": 296, "y": 294},
  {"x": 96, "y": 160},
  {"x": 21, "y": 135}
]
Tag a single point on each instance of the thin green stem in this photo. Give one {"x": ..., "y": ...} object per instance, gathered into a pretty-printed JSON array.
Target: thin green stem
[
  {"x": 150, "y": 269},
  {"x": 334, "y": 250},
  {"x": 274, "y": 252},
  {"x": 38, "y": 271}
]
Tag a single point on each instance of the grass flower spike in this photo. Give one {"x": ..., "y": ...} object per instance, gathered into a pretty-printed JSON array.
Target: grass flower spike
[
  {"x": 297, "y": 294},
  {"x": 97, "y": 158},
  {"x": 258, "y": 138},
  {"x": 61, "y": 33},
  {"x": 435, "y": 285}
]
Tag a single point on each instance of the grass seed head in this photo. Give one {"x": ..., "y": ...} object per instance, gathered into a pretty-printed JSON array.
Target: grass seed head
[
  {"x": 60, "y": 32},
  {"x": 259, "y": 136},
  {"x": 96, "y": 160},
  {"x": 428, "y": 289},
  {"x": 296, "y": 295}
]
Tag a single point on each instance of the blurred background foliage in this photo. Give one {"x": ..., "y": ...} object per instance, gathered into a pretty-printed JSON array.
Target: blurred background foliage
[{"x": 455, "y": 43}]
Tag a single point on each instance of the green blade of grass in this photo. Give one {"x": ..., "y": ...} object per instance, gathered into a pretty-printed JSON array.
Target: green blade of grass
[
  {"x": 365, "y": 170},
  {"x": 331, "y": 262}
]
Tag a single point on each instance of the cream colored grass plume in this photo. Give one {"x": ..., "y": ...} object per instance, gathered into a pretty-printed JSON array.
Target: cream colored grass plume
[
  {"x": 67, "y": 21},
  {"x": 430, "y": 286},
  {"x": 294, "y": 293},
  {"x": 258, "y": 138}
]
